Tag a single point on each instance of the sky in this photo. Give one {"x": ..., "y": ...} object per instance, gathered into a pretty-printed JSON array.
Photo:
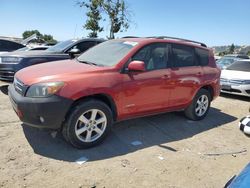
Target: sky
[{"x": 214, "y": 22}]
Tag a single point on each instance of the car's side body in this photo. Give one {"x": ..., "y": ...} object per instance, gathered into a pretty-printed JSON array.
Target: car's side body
[{"x": 128, "y": 94}]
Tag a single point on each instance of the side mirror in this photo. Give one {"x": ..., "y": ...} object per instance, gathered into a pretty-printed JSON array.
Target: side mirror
[
  {"x": 136, "y": 66},
  {"x": 74, "y": 52}
]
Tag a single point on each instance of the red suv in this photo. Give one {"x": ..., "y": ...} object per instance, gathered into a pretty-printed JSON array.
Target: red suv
[{"x": 114, "y": 81}]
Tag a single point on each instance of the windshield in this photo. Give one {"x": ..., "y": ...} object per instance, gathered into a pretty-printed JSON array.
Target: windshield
[
  {"x": 225, "y": 62},
  {"x": 108, "y": 53},
  {"x": 240, "y": 66},
  {"x": 61, "y": 46}
]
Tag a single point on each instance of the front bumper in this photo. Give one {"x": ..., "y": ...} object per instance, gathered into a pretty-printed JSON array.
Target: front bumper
[
  {"x": 47, "y": 112},
  {"x": 236, "y": 89}
]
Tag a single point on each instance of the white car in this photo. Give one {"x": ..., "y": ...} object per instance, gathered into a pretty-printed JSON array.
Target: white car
[{"x": 235, "y": 79}]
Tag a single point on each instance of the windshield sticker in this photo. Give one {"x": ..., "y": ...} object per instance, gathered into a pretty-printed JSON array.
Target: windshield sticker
[{"x": 131, "y": 43}]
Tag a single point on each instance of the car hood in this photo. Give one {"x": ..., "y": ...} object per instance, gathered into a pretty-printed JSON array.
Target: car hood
[
  {"x": 231, "y": 74},
  {"x": 30, "y": 53},
  {"x": 56, "y": 71}
]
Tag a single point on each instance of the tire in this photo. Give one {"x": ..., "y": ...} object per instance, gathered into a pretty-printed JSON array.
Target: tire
[
  {"x": 200, "y": 105},
  {"x": 87, "y": 124}
]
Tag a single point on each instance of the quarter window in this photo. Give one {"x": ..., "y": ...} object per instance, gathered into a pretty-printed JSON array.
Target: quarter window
[
  {"x": 183, "y": 56},
  {"x": 202, "y": 56}
]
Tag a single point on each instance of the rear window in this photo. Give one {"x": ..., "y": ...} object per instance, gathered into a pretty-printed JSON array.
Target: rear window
[
  {"x": 240, "y": 66},
  {"x": 203, "y": 56}
]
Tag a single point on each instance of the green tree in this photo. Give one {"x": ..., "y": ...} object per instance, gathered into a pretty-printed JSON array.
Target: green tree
[
  {"x": 231, "y": 49},
  {"x": 116, "y": 11},
  {"x": 45, "y": 37},
  {"x": 94, "y": 17},
  {"x": 118, "y": 15},
  {"x": 27, "y": 34},
  {"x": 248, "y": 53},
  {"x": 49, "y": 38}
]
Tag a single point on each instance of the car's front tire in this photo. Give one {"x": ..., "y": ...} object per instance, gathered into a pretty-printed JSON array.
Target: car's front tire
[
  {"x": 88, "y": 124},
  {"x": 200, "y": 105}
]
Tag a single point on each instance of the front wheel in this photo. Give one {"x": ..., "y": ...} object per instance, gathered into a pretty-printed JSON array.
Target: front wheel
[
  {"x": 200, "y": 105},
  {"x": 88, "y": 124}
]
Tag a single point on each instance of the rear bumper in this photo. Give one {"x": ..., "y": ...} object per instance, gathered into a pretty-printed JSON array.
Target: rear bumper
[{"x": 47, "y": 112}]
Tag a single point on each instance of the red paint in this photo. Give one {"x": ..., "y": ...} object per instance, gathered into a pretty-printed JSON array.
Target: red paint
[{"x": 136, "y": 93}]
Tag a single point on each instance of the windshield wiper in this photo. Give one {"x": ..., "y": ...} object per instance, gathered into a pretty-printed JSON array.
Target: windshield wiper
[{"x": 89, "y": 63}]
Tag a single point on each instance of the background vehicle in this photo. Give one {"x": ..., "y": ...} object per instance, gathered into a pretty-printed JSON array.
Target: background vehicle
[
  {"x": 10, "y": 63},
  {"x": 240, "y": 181},
  {"x": 9, "y": 46},
  {"x": 235, "y": 79},
  {"x": 227, "y": 60},
  {"x": 26, "y": 48},
  {"x": 114, "y": 81}
]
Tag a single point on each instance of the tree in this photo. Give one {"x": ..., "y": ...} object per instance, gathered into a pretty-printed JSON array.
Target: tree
[
  {"x": 118, "y": 16},
  {"x": 94, "y": 17},
  {"x": 45, "y": 37},
  {"x": 232, "y": 48},
  {"x": 116, "y": 11},
  {"x": 27, "y": 34},
  {"x": 248, "y": 53}
]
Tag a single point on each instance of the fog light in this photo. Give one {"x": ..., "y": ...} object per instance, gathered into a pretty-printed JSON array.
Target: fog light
[{"x": 42, "y": 119}]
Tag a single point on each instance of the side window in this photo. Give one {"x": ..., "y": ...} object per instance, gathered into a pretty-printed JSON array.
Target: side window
[
  {"x": 203, "y": 56},
  {"x": 183, "y": 56},
  {"x": 155, "y": 56},
  {"x": 83, "y": 46}
]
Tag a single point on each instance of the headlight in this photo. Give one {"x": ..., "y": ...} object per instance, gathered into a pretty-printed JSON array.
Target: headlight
[
  {"x": 11, "y": 59},
  {"x": 44, "y": 89}
]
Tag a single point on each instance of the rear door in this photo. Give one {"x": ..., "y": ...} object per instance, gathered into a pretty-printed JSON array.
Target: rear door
[
  {"x": 186, "y": 74},
  {"x": 148, "y": 91}
]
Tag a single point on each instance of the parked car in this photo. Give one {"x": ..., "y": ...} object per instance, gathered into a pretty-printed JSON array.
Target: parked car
[
  {"x": 235, "y": 79},
  {"x": 9, "y": 46},
  {"x": 240, "y": 181},
  {"x": 229, "y": 59},
  {"x": 26, "y": 48},
  {"x": 11, "y": 62},
  {"x": 115, "y": 81}
]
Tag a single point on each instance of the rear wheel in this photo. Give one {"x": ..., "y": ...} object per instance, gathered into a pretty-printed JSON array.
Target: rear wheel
[
  {"x": 200, "y": 105},
  {"x": 88, "y": 124}
]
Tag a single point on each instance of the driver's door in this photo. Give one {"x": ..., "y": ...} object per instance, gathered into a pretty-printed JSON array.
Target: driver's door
[{"x": 146, "y": 92}]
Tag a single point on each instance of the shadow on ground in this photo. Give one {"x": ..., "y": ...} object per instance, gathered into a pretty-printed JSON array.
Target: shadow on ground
[
  {"x": 4, "y": 89},
  {"x": 151, "y": 131},
  {"x": 236, "y": 97}
]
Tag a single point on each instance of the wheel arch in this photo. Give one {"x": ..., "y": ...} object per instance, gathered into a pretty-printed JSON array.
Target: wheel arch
[
  {"x": 210, "y": 89},
  {"x": 107, "y": 99}
]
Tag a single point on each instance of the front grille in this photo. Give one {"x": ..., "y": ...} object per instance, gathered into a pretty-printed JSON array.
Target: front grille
[
  {"x": 6, "y": 75},
  {"x": 19, "y": 86},
  {"x": 234, "y": 81},
  {"x": 248, "y": 91}
]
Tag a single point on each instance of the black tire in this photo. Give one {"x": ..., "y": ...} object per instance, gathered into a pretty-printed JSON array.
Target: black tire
[
  {"x": 72, "y": 123},
  {"x": 190, "y": 111}
]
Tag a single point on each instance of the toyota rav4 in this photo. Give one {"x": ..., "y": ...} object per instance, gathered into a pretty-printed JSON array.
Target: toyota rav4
[{"x": 113, "y": 81}]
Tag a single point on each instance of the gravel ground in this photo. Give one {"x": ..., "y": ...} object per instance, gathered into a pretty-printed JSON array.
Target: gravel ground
[{"x": 172, "y": 151}]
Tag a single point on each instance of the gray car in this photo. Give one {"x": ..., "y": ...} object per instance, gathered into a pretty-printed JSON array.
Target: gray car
[{"x": 12, "y": 62}]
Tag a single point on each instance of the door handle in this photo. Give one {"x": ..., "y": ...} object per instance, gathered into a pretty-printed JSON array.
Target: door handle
[
  {"x": 198, "y": 74},
  {"x": 165, "y": 76}
]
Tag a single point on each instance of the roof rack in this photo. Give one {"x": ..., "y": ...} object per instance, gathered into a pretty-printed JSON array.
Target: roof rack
[
  {"x": 129, "y": 37},
  {"x": 186, "y": 40}
]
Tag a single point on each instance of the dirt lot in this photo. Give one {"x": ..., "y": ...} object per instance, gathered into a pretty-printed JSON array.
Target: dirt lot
[{"x": 172, "y": 153}]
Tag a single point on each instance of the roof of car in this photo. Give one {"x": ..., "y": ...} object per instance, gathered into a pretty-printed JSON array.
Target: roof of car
[{"x": 166, "y": 39}]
